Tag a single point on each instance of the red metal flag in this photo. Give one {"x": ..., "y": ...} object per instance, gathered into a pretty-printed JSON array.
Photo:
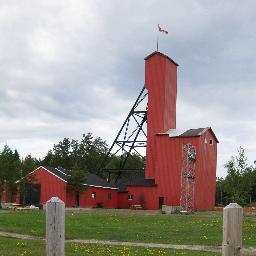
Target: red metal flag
[{"x": 162, "y": 30}]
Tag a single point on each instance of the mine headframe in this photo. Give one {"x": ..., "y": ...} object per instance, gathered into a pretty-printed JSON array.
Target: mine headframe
[{"x": 131, "y": 138}]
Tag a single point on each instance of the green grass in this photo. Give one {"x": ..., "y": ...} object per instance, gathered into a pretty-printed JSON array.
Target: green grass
[
  {"x": 200, "y": 228},
  {"x": 11, "y": 247}
]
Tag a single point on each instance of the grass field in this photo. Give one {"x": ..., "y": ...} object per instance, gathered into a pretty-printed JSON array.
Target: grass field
[
  {"x": 13, "y": 247},
  {"x": 200, "y": 228}
]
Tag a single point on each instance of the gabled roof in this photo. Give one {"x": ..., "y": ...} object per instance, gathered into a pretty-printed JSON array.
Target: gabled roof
[
  {"x": 189, "y": 132},
  {"x": 92, "y": 180},
  {"x": 131, "y": 178},
  {"x": 161, "y": 54}
]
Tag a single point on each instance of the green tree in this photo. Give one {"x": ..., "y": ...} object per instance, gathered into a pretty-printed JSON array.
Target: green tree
[
  {"x": 9, "y": 168},
  {"x": 29, "y": 164},
  {"x": 77, "y": 181},
  {"x": 220, "y": 192},
  {"x": 239, "y": 184},
  {"x": 134, "y": 162},
  {"x": 85, "y": 154},
  {"x": 91, "y": 152}
]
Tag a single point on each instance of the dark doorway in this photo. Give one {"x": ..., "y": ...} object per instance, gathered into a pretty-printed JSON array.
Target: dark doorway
[
  {"x": 160, "y": 202},
  {"x": 31, "y": 195},
  {"x": 77, "y": 199}
]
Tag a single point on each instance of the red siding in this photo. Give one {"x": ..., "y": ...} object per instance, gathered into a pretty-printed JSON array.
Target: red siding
[
  {"x": 205, "y": 185},
  {"x": 50, "y": 185},
  {"x": 161, "y": 82},
  {"x": 145, "y": 196},
  {"x": 164, "y": 154},
  {"x": 70, "y": 198},
  {"x": 86, "y": 199},
  {"x": 168, "y": 169},
  {"x": 122, "y": 200},
  {"x": 169, "y": 156}
]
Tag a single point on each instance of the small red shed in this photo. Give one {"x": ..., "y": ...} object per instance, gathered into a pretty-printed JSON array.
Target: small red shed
[{"x": 49, "y": 182}]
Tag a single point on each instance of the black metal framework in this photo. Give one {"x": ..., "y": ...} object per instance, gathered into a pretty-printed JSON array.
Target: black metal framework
[{"x": 132, "y": 135}]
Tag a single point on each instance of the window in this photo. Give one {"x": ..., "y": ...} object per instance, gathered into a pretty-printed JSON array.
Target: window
[
  {"x": 130, "y": 197},
  {"x": 93, "y": 195},
  {"x": 211, "y": 142},
  {"x": 109, "y": 196}
]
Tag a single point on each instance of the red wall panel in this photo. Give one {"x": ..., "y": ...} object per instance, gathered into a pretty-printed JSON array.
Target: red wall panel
[
  {"x": 161, "y": 82},
  {"x": 51, "y": 185},
  {"x": 144, "y": 196},
  {"x": 86, "y": 199},
  {"x": 168, "y": 169},
  {"x": 168, "y": 173},
  {"x": 205, "y": 185},
  {"x": 164, "y": 154},
  {"x": 70, "y": 198},
  {"x": 122, "y": 200}
]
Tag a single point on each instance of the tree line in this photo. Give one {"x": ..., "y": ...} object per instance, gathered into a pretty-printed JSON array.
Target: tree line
[
  {"x": 79, "y": 156},
  {"x": 240, "y": 183},
  {"x": 85, "y": 156}
]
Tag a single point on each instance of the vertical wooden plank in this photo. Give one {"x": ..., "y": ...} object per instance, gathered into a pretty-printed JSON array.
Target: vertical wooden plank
[
  {"x": 232, "y": 230},
  {"x": 55, "y": 227}
]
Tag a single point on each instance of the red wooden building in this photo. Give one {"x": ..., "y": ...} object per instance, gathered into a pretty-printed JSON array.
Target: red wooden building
[
  {"x": 49, "y": 182},
  {"x": 162, "y": 184},
  {"x": 162, "y": 181}
]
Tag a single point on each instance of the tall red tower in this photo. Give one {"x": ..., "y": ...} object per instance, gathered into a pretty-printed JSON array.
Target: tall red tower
[
  {"x": 161, "y": 83},
  {"x": 172, "y": 176}
]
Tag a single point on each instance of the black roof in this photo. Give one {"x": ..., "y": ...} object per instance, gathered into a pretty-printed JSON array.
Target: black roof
[
  {"x": 126, "y": 178},
  {"x": 133, "y": 178},
  {"x": 95, "y": 180},
  {"x": 60, "y": 172},
  {"x": 91, "y": 179}
]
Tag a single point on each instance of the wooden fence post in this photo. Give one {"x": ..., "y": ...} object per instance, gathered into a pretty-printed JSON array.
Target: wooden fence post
[
  {"x": 55, "y": 227},
  {"x": 232, "y": 230}
]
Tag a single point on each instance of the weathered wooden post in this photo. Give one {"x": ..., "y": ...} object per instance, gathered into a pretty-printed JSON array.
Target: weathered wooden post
[
  {"x": 232, "y": 230},
  {"x": 55, "y": 227}
]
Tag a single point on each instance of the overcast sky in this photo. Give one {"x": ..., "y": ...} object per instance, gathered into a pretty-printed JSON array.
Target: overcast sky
[{"x": 71, "y": 67}]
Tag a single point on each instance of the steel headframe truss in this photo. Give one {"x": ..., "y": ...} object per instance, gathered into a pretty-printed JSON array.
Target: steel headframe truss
[
  {"x": 132, "y": 134},
  {"x": 188, "y": 173}
]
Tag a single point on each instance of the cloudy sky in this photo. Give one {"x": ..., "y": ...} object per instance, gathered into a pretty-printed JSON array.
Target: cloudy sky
[{"x": 71, "y": 67}]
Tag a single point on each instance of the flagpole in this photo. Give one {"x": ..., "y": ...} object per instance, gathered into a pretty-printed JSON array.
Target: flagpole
[{"x": 160, "y": 30}]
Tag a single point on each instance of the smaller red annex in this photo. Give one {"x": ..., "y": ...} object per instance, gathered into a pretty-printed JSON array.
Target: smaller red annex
[{"x": 49, "y": 182}]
